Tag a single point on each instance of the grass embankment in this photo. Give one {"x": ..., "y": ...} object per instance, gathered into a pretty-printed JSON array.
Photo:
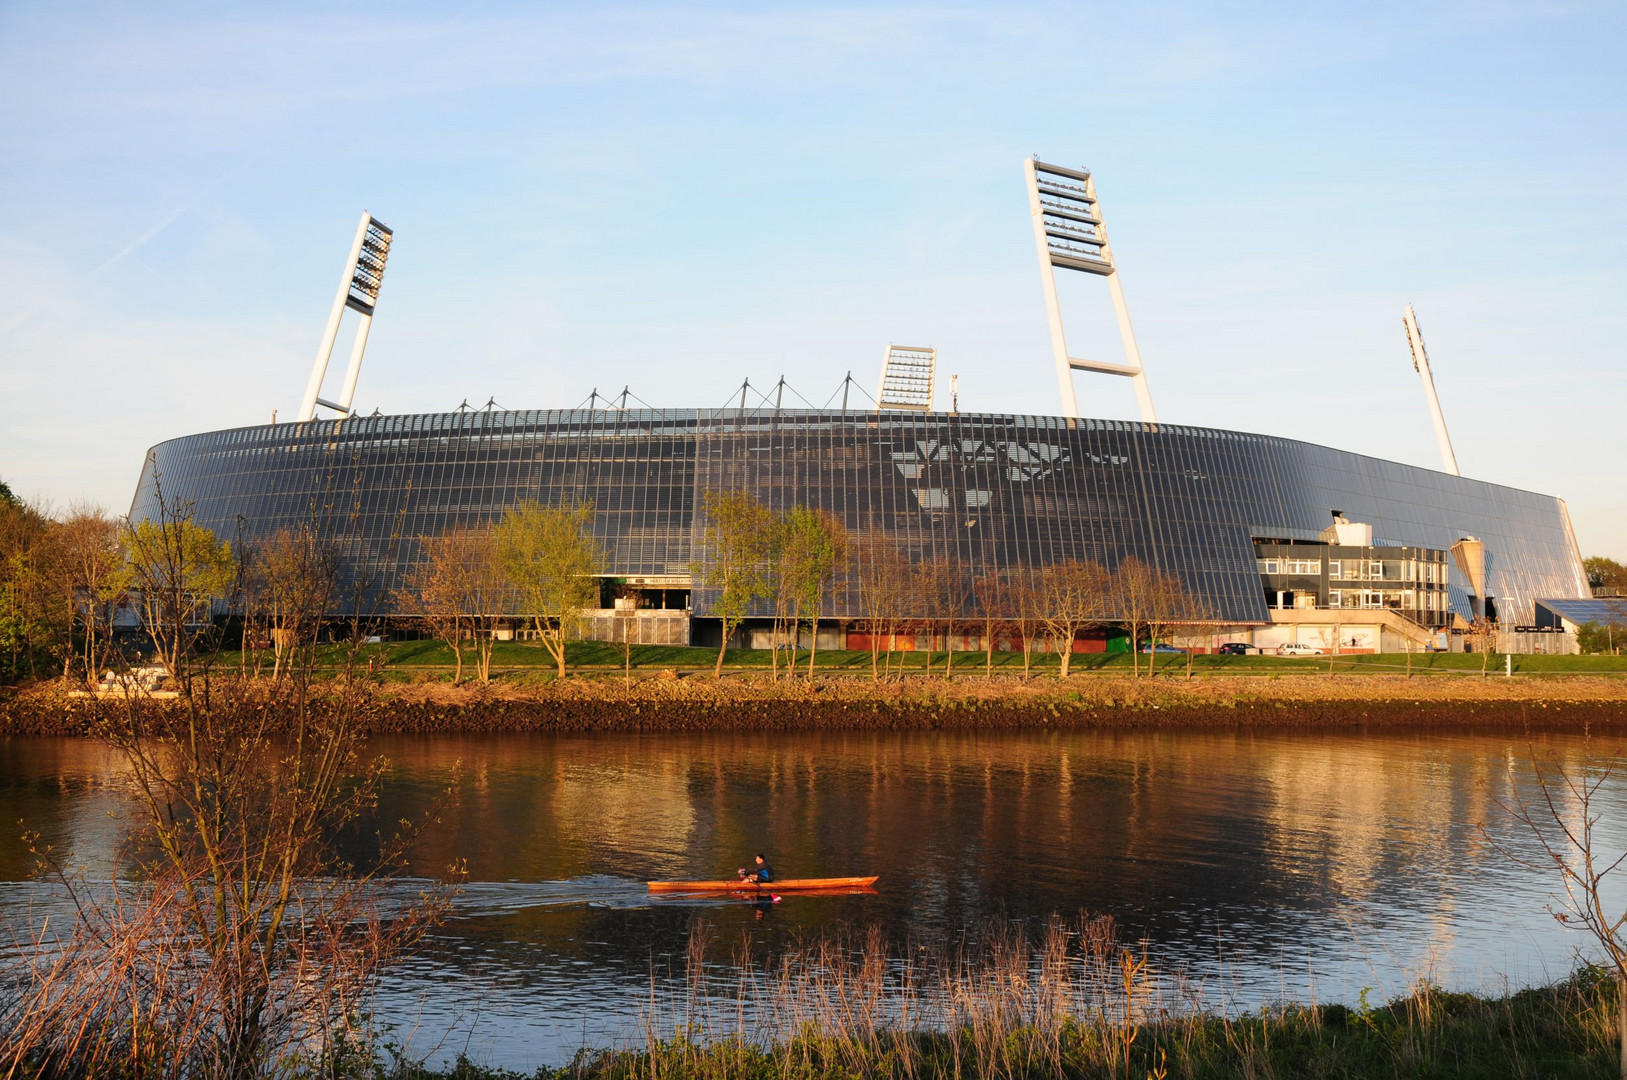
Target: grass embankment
[
  {"x": 1074, "y": 1004},
  {"x": 419, "y": 698},
  {"x": 1560, "y": 1032},
  {"x": 418, "y": 660}
]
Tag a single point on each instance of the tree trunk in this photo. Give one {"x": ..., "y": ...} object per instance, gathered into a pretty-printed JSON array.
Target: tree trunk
[
  {"x": 717, "y": 671},
  {"x": 813, "y": 645}
]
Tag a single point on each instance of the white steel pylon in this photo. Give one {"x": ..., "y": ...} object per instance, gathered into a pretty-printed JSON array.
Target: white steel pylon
[
  {"x": 1420, "y": 364},
  {"x": 359, "y": 291},
  {"x": 1069, "y": 233}
]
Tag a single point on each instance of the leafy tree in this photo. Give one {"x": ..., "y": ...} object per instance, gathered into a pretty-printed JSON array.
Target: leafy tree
[
  {"x": 811, "y": 547},
  {"x": 551, "y": 560},
  {"x": 737, "y": 542},
  {"x": 25, "y": 601},
  {"x": 6, "y": 497},
  {"x": 1603, "y": 573},
  {"x": 178, "y": 569},
  {"x": 1595, "y": 637}
]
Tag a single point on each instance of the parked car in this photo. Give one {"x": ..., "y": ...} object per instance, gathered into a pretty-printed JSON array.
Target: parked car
[
  {"x": 1236, "y": 648},
  {"x": 1294, "y": 648},
  {"x": 1161, "y": 648}
]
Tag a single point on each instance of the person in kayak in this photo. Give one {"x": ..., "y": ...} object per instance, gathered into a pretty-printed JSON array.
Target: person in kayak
[{"x": 760, "y": 874}]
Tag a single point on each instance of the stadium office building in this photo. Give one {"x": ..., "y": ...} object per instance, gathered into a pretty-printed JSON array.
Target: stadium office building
[{"x": 982, "y": 492}]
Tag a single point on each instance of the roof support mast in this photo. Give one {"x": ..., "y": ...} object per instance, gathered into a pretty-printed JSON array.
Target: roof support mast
[
  {"x": 1068, "y": 232},
  {"x": 359, "y": 291},
  {"x": 1420, "y": 364}
]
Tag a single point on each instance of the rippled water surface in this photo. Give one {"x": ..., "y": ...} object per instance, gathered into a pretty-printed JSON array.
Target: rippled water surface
[{"x": 1263, "y": 864}]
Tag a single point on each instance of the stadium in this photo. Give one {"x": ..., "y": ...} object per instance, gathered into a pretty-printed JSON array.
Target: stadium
[{"x": 979, "y": 492}]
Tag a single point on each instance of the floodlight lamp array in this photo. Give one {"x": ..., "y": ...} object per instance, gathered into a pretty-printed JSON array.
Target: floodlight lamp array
[
  {"x": 1069, "y": 233},
  {"x": 368, "y": 274},
  {"x": 1074, "y": 237},
  {"x": 907, "y": 374}
]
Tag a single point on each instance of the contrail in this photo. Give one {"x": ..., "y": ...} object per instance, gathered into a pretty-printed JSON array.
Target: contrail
[{"x": 164, "y": 223}]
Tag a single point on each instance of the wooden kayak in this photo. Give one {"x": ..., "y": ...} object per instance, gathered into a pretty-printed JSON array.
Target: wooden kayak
[{"x": 788, "y": 885}]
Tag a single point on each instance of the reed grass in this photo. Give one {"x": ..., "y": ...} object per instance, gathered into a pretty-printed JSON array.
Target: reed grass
[{"x": 1071, "y": 1002}]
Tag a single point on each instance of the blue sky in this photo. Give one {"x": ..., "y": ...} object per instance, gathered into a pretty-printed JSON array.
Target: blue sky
[{"x": 678, "y": 197}]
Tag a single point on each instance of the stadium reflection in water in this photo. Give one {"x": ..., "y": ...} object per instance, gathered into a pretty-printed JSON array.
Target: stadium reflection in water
[{"x": 1264, "y": 864}]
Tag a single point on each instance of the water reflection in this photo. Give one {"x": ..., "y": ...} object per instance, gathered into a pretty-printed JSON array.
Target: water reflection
[{"x": 1263, "y": 864}]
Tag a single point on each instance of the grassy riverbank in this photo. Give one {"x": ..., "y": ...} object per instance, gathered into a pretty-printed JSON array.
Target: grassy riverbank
[
  {"x": 667, "y": 699},
  {"x": 515, "y": 661}
]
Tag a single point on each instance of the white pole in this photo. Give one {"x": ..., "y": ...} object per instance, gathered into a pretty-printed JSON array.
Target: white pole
[
  {"x": 1420, "y": 364},
  {"x": 1132, "y": 352},
  {"x": 354, "y": 371},
  {"x": 1053, "y": 309},
  {"x": 307, "y": 406}
]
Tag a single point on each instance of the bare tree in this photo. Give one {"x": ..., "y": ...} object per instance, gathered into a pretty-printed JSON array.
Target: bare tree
[
  {"x": 242, "y": 940},
  {"x": 950, "y": 594},
  {"x": 993, "y": 593},
  {"x": 1483, "y": 632},
  {"x": 1074, "y": 596},
  {"x": 1566, "y": 821},
  {"x": 736, "y": 546},
  {"x": 460, "y": 593},
  {"x": 884, "y": 583},
  {"x": 552, "y": 561},
  {"x": 294, "y": 577},
  {"x": 90, "y": 578},
  {"x": 1153, "y": 602},
  {"x": 1027, "y": 611}
]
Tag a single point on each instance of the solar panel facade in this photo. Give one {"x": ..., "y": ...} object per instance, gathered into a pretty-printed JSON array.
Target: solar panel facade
[{"x": 979, "y": 491}]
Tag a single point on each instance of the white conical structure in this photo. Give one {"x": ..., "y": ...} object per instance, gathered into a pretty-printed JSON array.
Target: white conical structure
[{"x": 1420, "y": 364}]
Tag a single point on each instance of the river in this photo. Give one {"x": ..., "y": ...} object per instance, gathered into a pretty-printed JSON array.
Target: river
[{"x": 1262, "y": 865}]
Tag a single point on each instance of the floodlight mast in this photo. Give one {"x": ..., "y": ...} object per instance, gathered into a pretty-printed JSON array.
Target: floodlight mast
[
  {"x": 358, "y": 290},
  {"x": 1068, "y": 232},
  {"x": 1420, "y": 364}
]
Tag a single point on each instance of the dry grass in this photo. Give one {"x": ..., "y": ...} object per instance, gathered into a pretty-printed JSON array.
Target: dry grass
[{"x": 1072, "y": 1002}]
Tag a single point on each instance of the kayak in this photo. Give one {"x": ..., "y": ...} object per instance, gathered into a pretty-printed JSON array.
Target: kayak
[{"x": 788, "y": 885}]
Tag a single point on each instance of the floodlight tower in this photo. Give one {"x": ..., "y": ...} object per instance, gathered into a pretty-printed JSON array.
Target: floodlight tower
[
  {"x": 907, "y": 374},
  {"x": 1420, "y": 364},
  {"x": 1069, "y": 233},
  {"x": 359, "y": 291}
]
